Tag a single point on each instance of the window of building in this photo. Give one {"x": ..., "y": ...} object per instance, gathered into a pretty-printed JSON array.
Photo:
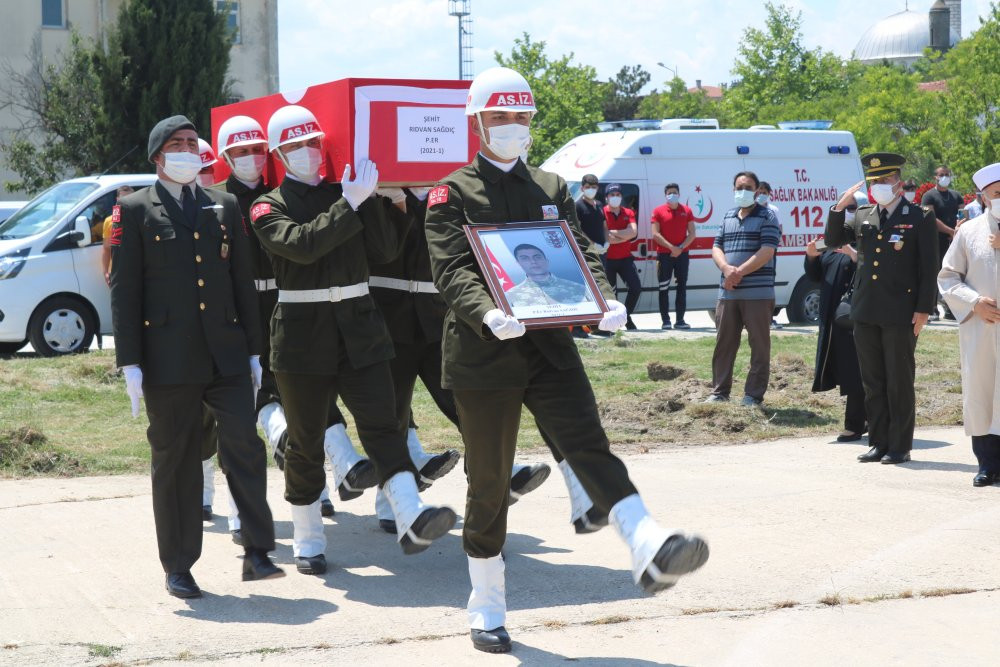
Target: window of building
[
  {"x": 231, "y": 10},
  {"x": 53, "y": 14}
]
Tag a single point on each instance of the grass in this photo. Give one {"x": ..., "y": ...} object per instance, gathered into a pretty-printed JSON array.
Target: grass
[
  {"x": 102, "y": 650},
  {"x": 70, "y": 415}
]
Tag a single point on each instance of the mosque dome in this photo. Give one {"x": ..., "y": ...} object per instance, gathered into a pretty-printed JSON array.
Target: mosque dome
[{"x": 900, "y": 39}]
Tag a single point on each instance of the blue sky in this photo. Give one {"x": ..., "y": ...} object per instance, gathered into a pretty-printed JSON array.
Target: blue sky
[{"x": 323, "y": 40}]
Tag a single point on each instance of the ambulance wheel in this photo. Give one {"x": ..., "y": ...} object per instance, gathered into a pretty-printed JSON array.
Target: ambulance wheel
[
  {"x": 61, "y": 325},
  {"x": 803, "y": 307}
]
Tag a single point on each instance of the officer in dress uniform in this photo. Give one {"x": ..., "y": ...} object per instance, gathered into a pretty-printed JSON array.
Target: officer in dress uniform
[
  {"x": 187, "y": 333},
  {"x": 494, "y": 366},
  {"x": 327, "y": 336},
  {"x": 894, "y": 293}
]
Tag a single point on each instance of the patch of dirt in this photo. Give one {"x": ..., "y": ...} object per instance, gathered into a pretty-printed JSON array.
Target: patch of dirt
[
  {"x": 658, "y": 371},
  {"x": 790, "y": 371},
  {"x": 23, "y": 450}
]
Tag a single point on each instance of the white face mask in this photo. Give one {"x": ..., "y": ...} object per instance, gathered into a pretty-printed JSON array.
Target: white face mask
[
  {"x": 743, "y": 198},
  {"x": 181, "y": 167},
  {"x": 995, "y": 208},
  {"x": 590, "y": 193},
  {"x": 206, "y": 180},
  {"x": 614, "y": 202},
  {"x": 944, "y": 181},
  {"x": 910, "y": 195},
  {"x": 763, "y": 199},
  {"x": 883, "y": 193},
  {"x": 248, "y": 167},
  {"x": 509, "y": 142},
  {"x": 304, "y": 162},
  {"x": 673, "y": 198}
]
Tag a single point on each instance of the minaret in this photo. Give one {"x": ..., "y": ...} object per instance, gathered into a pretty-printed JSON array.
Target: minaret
[{"x": 940, "y": 26}]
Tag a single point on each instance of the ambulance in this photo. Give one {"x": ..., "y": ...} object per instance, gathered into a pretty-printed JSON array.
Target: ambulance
[{"x": 807, "y": 169}]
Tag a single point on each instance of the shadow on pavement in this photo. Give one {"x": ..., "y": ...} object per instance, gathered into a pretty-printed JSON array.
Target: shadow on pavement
[
  {"x": 932, "y": 444},
  {"x": 938, "y": 465},
  {"x": 529, "y": 655},
  {"x": 269, "y": 609}
]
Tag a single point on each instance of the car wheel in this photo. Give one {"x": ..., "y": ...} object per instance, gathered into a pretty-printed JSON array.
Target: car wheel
[
  {"x": 803, "y": 308},
  {"x": 61, "y": 325}
]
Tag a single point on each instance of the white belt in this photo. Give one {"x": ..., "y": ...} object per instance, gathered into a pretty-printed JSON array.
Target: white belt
[
  {"x": 414, "y": 286},
  {"x": 318, "y": 295},
  {"x": 266, "y": 285}
]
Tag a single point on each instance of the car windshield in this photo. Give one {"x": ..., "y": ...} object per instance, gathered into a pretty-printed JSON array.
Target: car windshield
[{"x": 45, "y": 210}]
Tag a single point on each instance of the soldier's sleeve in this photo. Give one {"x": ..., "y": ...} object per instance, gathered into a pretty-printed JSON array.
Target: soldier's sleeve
[
  {"x": 958, "y": 294},
  {"x": 385, "y": 229},
  {"x": 593, "y": 259},
  {"x": 241, "y": 273},
  {"x": 126, "y": 284},
  {"x": 453, "y": 263},
  {"x": 837, "y": 232},
  {"x": 928, "y": 262},
  {"x": 302, "y": 242}
]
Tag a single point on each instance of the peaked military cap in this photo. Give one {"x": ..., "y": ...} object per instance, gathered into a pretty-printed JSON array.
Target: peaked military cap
[{"x": 877, "y": 165}]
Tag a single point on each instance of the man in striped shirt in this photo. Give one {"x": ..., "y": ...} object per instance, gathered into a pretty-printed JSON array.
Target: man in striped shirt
[{"x": 744, "y": 250}]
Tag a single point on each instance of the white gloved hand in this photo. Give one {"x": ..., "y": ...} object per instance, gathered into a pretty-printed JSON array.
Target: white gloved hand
[
  {"x": 363, "y": 185},
  {"x": 256, "y": 371},
  {"x": 133, "y": 385},
  {"x": 615, "y": 318},
  {"x": 502, "y": 325},
  {"x": 601, "y": 248},
  {"x": 395, "y": 194},
  {"x": 420, "y": 193}
]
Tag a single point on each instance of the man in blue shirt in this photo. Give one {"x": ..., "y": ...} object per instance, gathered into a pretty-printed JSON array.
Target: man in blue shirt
[{"x": 744, "y": 250}]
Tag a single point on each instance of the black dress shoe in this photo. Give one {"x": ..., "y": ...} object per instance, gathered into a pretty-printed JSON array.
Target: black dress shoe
[
  {"x": 528, "y": 479},
  {"x": 436, "y": 468},
  {"x": 893, "y": 459},
  {"x": 388, "y": 525},
  {"x": 983, "y": 478},
  {"x": 326, "y": 508},
  {"x": 849, "y": 436},
  {"x": 362, "y": 476},
  {"x": 491, "y": 641},
  {"x": 206, "y": 512},
  {"x": 433, "y": 522},
  {"x": 257, "y": 566},
  {"x": 311, "y": 564},
  {"x": 237, "y": 536},
  {"x": 591, "y": 522},
  {"x": 182, "y": 585},
  {"x": 872, "y": 455}
]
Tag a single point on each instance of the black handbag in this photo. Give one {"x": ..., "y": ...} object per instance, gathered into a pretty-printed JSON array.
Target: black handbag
[{"x": 842, "y": 316}]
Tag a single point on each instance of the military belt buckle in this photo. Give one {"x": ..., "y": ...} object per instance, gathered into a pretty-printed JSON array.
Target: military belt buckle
[
  {"x": 335, "y": 294},
  {"x": 414, "y": 286}
]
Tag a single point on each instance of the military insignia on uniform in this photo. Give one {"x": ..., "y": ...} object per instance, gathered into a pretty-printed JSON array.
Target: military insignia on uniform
[
  {"x": 116, "y": 234},
  {"x": 552, "y": 237},
  {"x": 224, "y": 250},
  {"x": 906, "y": 210},
  {"x": 263, "y": 208},
  {"x": 116, "y": 213},
  {"x": 438, "y": 195},
  {"x": 550, "y": 212}
]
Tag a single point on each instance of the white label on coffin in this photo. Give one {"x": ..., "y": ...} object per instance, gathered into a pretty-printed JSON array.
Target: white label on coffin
[
  {"x": 365, "y": 95},
  {"x": 432, "y": 134}
]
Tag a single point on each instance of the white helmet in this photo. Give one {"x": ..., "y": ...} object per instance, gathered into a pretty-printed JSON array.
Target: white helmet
[
  {"x": 291, "y": 123},
  {"x": 499, "y": 89},
  {"x": 239, "y": 131},
  {"x": 206, "y": 153}
]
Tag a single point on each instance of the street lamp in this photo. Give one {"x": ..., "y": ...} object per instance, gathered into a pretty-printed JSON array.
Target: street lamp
[{"x": 670, "y": 69}]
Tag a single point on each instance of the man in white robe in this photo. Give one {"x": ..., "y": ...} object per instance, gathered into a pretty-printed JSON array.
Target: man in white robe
[{"x": 970, "y": 284}]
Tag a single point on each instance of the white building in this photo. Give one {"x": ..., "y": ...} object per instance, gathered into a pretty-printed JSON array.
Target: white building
[
  {"x": 253, "y": 66},
  {"x": 902, "y": 37}
]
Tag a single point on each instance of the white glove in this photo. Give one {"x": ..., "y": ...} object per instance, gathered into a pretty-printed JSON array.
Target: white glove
[
  {"x": 420, "y": 193},
  {"x": 395, "y": 194},
  {"x": 256, "y": 371},
  {"x": 363, "y": 185},
  {"x": 133, "y": 385},
  {"x": 601, "y": 248},
  {"x": 502, "y": 325},
  {"x": 615, "y": 318}
]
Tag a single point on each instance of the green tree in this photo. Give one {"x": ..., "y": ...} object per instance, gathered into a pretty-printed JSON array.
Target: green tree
[
  {"x": 678, "y": 102},
  {"x": 165, "y": 57},
  {"x": 567, "y": 96},
  {"x": 622, "y": 93},
  {"x": 59, "y": 107}
]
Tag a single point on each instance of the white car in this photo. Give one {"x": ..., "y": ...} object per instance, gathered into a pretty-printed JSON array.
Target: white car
[{"x": 52, "y": 289}]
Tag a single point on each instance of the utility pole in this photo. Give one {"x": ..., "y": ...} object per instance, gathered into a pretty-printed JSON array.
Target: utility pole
[{"x": 462, "y": 10}]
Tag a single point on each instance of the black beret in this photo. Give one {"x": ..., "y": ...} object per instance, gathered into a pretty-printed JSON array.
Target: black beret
[{"x": 162, "y": 131}]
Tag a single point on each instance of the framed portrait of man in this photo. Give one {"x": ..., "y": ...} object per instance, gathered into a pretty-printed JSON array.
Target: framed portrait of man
[{"x": 536, "y": 272}]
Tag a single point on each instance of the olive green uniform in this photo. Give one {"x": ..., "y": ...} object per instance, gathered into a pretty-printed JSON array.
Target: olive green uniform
[
  {"x": 185, "y": 312},
  {"x": 491, "y": 379},
  {"x": 895, "y": 278},
  {"x": 323, "y": 349},
  {"x": 553, "y": 289}
]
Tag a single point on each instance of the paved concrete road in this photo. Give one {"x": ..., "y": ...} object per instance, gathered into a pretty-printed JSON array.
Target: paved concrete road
[{"x": 790, "y": 523}]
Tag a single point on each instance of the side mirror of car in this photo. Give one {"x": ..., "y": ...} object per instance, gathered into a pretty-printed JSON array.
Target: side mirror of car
[{"x": 81, "y": 231}]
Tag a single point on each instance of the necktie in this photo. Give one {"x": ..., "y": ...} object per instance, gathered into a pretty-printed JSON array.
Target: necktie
[
  {"x": 190, "y": 207},
  {"x": 883, "y": 216}
]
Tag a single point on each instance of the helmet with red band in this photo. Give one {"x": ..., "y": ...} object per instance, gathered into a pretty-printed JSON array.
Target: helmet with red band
[
  {"x": 499, "y": 89},
  {"x": 291, "y": 123}
]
